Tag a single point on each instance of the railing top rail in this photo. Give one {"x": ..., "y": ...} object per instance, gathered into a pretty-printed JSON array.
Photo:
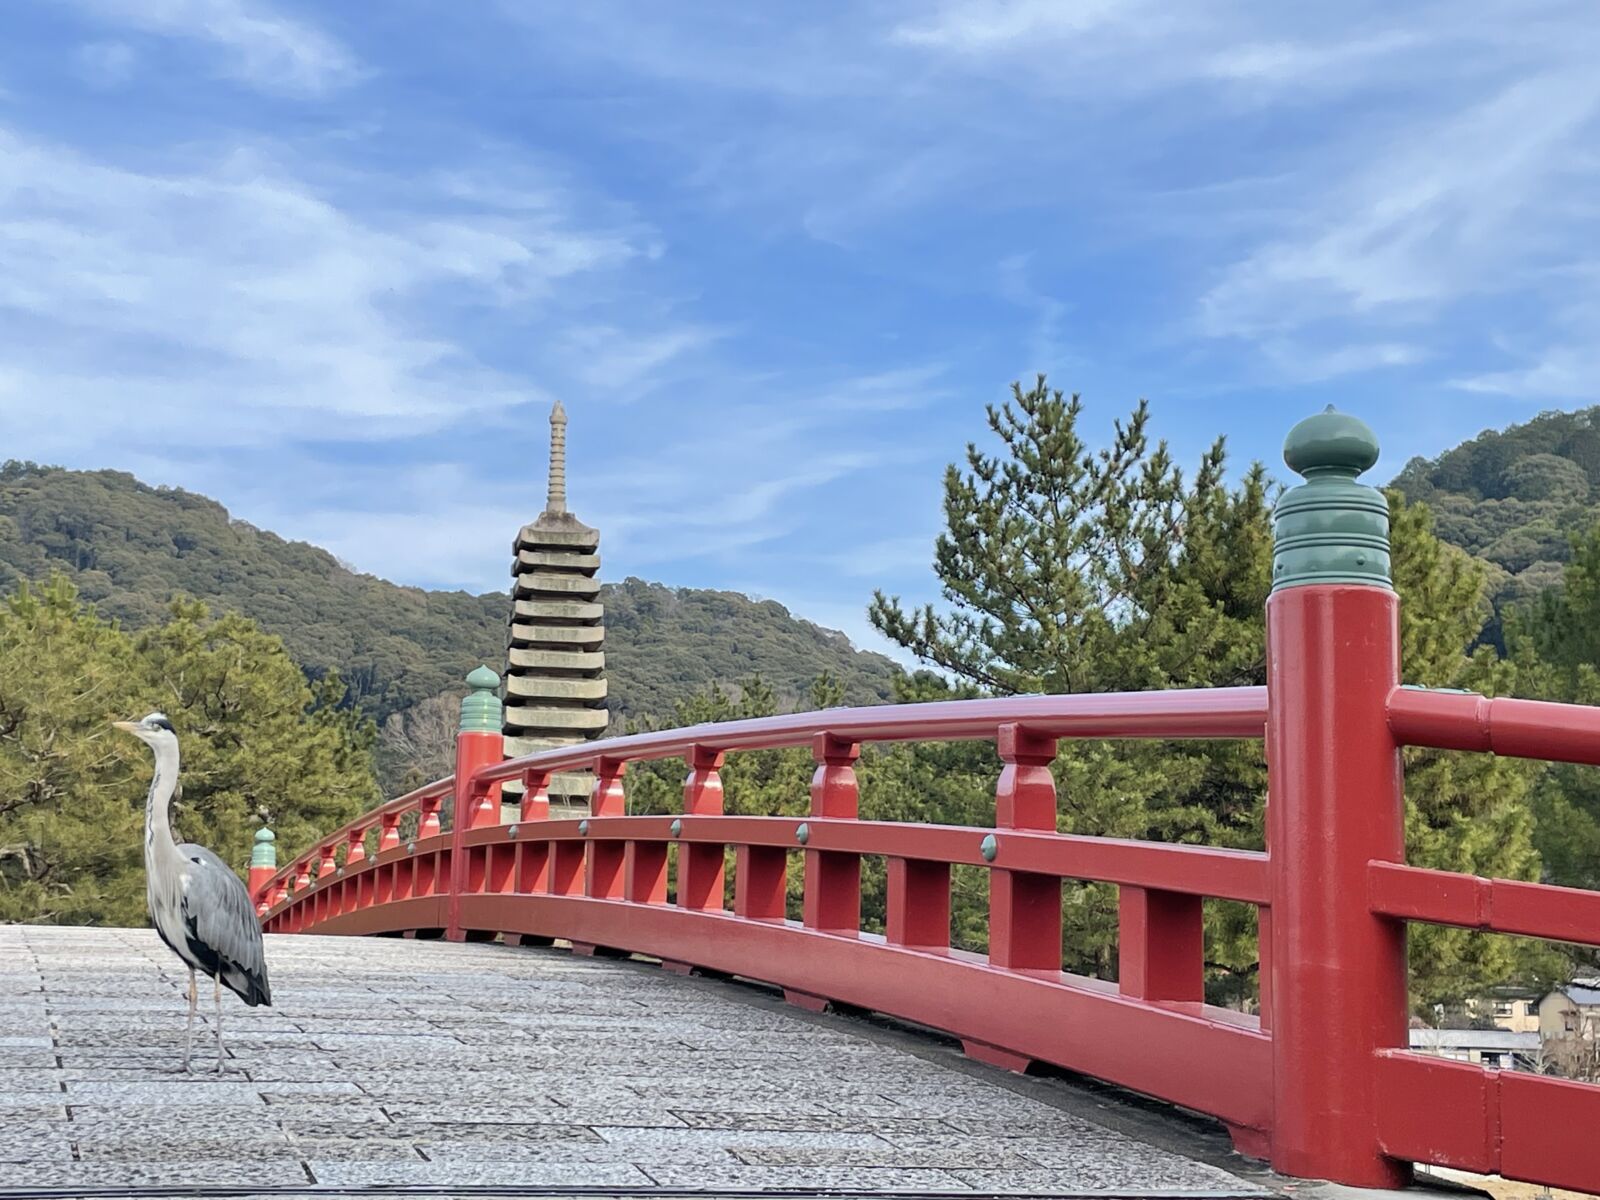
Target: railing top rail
[
  {"x": 438, "y": 789},
  {"x": 1511, "y": 728},
  {"x": 1193, "y": 713}
]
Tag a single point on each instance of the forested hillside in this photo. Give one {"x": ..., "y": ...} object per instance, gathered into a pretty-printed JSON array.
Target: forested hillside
[
  {"x": 1515, "y": 497},
  {"x": 129, "y": 548}
]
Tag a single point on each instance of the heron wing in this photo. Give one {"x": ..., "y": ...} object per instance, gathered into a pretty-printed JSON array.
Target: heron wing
[{"x": 221, "y": 926}]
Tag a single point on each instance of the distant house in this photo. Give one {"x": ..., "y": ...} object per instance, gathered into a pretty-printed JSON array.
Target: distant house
[
  {"x": 1571, "y": 1012},
  {"x": 1512, "y": 1009},
  {"x": 1502, "y": 1049}
]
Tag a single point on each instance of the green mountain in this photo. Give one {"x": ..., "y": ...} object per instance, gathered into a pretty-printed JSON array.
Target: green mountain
[
  {"x": 129, "y": 547},
  {"x": 1515, "y": 496}
]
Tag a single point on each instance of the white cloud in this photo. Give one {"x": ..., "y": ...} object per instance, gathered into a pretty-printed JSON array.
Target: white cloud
[
  {"x": 1446, "y": 209},
  {"x": 257, "y": 45},
  {"x": 988, "y": 26},
  {"x": 233, "y": 302}
]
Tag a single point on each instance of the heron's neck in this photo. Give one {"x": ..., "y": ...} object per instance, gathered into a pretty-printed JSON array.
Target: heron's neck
[{"x": 158, "y": 838}]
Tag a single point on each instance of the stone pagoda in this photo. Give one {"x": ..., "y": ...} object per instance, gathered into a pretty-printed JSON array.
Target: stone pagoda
[{"x": 555, "y": 680}]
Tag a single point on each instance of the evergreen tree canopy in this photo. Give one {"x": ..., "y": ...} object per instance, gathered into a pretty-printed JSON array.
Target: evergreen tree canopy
[
  {"x": 257, "y": 741},
  {"x": 1064, "y": 570}
]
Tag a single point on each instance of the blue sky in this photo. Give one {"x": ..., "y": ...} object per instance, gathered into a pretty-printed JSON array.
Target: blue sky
[{"x": 331, "y": 263}]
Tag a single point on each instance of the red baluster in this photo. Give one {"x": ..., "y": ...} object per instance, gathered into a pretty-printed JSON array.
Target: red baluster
[
  {"x": 355, "y": 850},
  {"x": 535, "y": 795},
  {"x": 645, "y": 873},
  {"x": 1160, "y": 945},
  {"x": 1024, "y": 908},
  {"x": 700, "y": 864},
  {"x": 919, "y": 904},
  {"x": 833, "y": 878},
  {"x": 609, "y": 799},
  {"x": 389, "y": 834},
  {"x": 328, "y": 863},
  {"x": 428, "y": 824}
]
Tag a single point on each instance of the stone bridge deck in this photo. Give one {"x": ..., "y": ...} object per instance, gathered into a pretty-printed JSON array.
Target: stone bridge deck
[{"x": 390, "y": 1063}]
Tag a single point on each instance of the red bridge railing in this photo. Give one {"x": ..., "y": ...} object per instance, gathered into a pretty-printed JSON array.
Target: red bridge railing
[{"x": 1321, "y": 1081}]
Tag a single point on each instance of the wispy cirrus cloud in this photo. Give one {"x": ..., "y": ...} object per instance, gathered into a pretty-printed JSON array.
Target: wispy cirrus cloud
[
  {"x": 242, "y": 302},
  {"x": 254, "y": 42}
]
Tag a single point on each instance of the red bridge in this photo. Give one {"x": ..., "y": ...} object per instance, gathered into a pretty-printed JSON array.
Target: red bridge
[{"x": 1321, "y": 1083}]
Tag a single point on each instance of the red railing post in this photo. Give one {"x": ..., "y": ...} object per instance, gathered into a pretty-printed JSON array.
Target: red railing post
[
  {"x": 700, "y": 864},
  {"x": 326, "y": 863},
  {"x": 1336, "y": 804},
  {"x": 355, "y": 847},
  {"x": 1024, "y": 908},
  {"x": 833, "y": 879},
  {"x": 478, "y": 743}
]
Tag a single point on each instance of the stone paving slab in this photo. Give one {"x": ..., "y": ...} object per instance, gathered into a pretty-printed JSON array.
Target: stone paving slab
[{"x": 394, "y": 1063}]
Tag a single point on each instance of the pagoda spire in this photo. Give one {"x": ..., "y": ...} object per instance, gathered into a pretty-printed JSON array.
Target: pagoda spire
[
  {"x": 555, "y": 682},
  {"x": 556, "y": 498}
]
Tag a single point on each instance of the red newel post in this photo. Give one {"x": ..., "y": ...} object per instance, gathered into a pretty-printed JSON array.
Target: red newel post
[
  {"x": 478, "y": 744},
  {"x": 1336, "y": 804},
  {"x": 263, "y": 866}
]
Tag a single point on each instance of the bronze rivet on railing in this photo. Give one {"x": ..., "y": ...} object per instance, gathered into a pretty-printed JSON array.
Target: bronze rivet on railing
[
  {"x": 583, "y": 829},
  {"x": 511, "y": 831},
  {"x": 677, "y": 828},
  {"x": 411, "y": 847},
  {"x": 803, "y": 834},
  {"x": 341, "y": 872},
  {"x": 989, "y": 848}
]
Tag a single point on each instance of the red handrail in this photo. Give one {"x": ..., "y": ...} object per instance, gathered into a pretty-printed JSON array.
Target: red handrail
[
  {"x": 1511, "y": 728},
  {"x": 1196, "y": 713}
]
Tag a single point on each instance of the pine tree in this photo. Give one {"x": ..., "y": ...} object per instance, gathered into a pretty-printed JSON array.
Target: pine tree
[
  {"x": 1066, "y": 570},
  {"x": 256, "y": 739},
  {"x": 70, "y": 785}
]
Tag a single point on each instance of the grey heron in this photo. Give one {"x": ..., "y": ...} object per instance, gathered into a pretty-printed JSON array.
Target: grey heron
[{"x": 200, "y": 908}]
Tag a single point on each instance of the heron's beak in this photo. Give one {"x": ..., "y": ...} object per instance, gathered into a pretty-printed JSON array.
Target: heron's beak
[{"x": 127, "y": 726}]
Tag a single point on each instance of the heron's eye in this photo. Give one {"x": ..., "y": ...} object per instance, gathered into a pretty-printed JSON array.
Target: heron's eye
[{"x": 161, "y": 723}]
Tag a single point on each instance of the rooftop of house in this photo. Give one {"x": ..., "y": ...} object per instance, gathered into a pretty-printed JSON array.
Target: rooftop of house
[{"x": 1473, "y": 1039}]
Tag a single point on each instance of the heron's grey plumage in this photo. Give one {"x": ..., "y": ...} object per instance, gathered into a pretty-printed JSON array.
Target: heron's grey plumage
[{"x": 199, "y": 907}]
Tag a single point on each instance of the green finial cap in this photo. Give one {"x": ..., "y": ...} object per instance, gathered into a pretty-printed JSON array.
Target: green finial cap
[
  {"x": 1330, "y": 529},
  {"x": 265, "y": 852},
  {"x": 480, "y": 708}
]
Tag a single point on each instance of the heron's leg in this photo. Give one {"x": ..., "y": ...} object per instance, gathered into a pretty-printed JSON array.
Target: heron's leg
[
  {"x": 188, "y": 1034},
  {"x": 216, "y": 981}
]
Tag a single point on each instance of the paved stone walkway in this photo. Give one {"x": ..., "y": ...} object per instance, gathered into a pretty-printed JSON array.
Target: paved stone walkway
[{"x": 391, "y": 1062}]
